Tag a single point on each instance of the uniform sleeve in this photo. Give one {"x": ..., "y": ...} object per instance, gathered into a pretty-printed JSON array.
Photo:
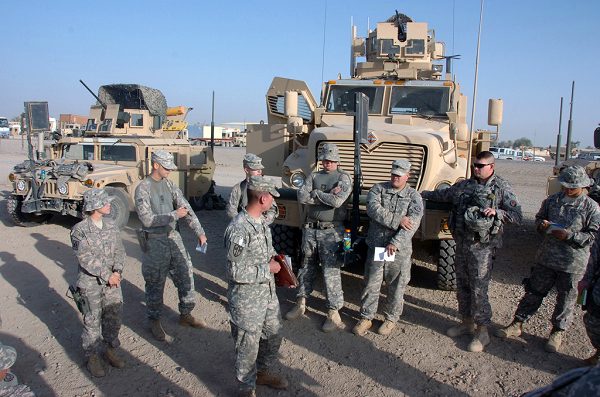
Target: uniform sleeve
[
  {"x": 234, "y": 201},
  {"x": 587, "y": 234},
  {"x": 414, "y": 213},
  {"x": 304, "y": 192},
  {"x": 144, "y": 209},
  {"x": 542, "y": 215},
  {"x": 338, "y": 199},
  {"x": 509, "y": 209},
  {"x": 87, "y": 258},
  {"x": 119, "y": 254},
  {"x": 243, "y": 268},
  {"x": 593, "y": 266},
  {"x": 441, "y": 195},
  {"x": 191, "y": 219},
  {"x": 377, "y": 212}
]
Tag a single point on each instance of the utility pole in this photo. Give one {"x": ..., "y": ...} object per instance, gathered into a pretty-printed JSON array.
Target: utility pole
[
  {"x": 557, "y": 157},
  {"x": 570, "y": 124}
]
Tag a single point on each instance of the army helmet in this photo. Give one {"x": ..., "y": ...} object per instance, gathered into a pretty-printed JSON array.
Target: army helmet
[
  {"x": 475, "y": 221},
  {"x": 329, "y": 151},
  {"x": 573, "y": 177},
  {"x": 94, "y": 199}
]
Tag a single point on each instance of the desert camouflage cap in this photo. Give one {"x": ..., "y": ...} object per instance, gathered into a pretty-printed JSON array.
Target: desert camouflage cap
[
  {"x": 262, "y": 184},
  {"x": 400, "y": 167},
  {"x": 165, "y": 159},
  {"x": 573, "y": 177},
  {"x": 8, "y": 356},
  {"x": 329, "y": 151},
  {"x": 95, "y": 198},
  {"x": 252, "y": 161}
]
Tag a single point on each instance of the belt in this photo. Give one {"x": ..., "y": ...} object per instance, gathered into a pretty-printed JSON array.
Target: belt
[
  {"x": 155, "y": 235},
  {"x": 319, "y": 225}
]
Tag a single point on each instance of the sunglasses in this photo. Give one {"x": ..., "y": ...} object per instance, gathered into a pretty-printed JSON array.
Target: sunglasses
[{"x": 480, "y": 165}]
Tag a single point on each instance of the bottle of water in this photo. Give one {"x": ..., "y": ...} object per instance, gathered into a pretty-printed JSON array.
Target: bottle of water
[{"x": 347, "y": 240}]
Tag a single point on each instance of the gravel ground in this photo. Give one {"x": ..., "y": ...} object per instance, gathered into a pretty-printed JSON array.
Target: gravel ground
[{"x": 417, "y": 359}]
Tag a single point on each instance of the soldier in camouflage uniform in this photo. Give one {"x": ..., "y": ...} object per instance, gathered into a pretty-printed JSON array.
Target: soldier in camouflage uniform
[
  {"x": 325, "y": 194},
  {"x": 577, "y": 382},
  {"x": 591, "y": 319},
  {"x": 159, "y": 205},
  {"x": 481, "y": 206},
  {"x": 569, "y": 221},
  {"x": 97, "y": 244},
  {"x": 9, "y": 384},
  {"x": 254, "y": 311},
  {"x": 238, "y": 198},
  {"x": 395, "y": 210}
]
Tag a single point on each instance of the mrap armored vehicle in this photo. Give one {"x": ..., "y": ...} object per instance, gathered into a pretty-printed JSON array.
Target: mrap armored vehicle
[
  {"x": 126, "y": 125},
  {"x": 415, "y": 112}
]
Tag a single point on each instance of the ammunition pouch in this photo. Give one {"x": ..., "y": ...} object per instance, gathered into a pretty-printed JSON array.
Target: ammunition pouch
[
  {"x": 83, "y": 305},
  {"x": 142, "y": 237}
]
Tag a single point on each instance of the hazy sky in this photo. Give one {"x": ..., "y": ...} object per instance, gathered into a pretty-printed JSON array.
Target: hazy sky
[{"x": 531, "y": 50}]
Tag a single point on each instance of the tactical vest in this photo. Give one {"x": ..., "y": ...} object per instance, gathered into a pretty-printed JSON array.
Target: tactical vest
[
  {"x": 481, "y": 196},
  {"x": 324, "y": 182}
]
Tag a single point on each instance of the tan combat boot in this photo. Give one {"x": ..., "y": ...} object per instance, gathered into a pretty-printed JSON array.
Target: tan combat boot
[
  {"x": 187, "y": 320},
  {"x": 333, "y": 321},
  {"x": 271, "y": 380},
  {"x": 298, "y": 309},
  {"x": 94, "y": 365},
  {"x": 113, "y": 358},
  {"x": 554, "y": 341},
  {"x": 361, "y": 327},
  {"x": 157, "y": 330},
  {"x": 593, "y": 360},
  {"x": 480, "y": 339},
  {"x": 386, "y": 328},
  {"x": 467, "y": 326},
  {"x": 514, "y": 329}
]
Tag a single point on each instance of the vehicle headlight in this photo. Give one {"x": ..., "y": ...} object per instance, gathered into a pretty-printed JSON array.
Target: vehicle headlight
[
  {"x": 297, "y": 179},
  {"x": 442, "y": 185},
  {"x": 63, "y": 189},
  {"x": 21, "y": 185}
]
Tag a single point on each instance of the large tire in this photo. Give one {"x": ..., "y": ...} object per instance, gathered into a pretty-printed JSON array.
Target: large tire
[
  {"x": 446, "y": 275},
  {"x": 13, "y": 207},
  {"x": 286, "y": 240},
  {"x": 119, "y": 206}
]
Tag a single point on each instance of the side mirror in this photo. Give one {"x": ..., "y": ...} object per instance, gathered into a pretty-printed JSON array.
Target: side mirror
[
  {"x": 495, "y": 109},
  {"x": 597, "y": 138}
]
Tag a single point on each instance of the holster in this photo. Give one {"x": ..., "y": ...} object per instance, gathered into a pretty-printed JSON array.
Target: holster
[
  {"x": 83, "y": 305},
  {"x": 142, "y": 237}
]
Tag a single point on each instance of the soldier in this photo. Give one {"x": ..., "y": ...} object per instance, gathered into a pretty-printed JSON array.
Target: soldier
[
  {"x": 97, "y": 244},
  {"x": 254, "y": 311},
  {"x": 395, "y": 210},
  {"x": 591, "y": 319},
  {"x": 568, "y": 220},
  {"x": 324, "y": 194},
  {"x": 481, "y": 206},
  {"x": 160, "y": 204},
  {"x": 238, "y": 198},
  {"x": 9, "y": 384}
]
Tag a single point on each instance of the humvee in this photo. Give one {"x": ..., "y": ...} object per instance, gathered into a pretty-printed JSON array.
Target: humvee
[
  {"x": 415, "y": 113},
  {"x": 126, "y": 125}
]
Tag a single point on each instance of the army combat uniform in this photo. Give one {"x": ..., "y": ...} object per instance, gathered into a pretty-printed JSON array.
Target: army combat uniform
[
  {"x": 591, "y": 319},
  {"x": 254, "y": 311},
  {"x": 9, "y": 386}
]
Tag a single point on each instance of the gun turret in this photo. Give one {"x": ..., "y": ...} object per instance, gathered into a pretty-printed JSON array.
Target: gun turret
[{"x": 94, "y": 95}]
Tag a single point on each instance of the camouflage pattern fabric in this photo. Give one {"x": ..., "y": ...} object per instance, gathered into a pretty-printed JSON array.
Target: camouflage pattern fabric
[
  {"x": 577, "y": 382},
  {"x": 99, "y": 252},
  {"x": 581, "y": 218},
  {"x": 8, "y": 356},
  {"x": 386, "y": 207},
  {"x": 474, "y": 258},
  {"x": 166, "y": 254},
  {"x": 254, "y": 312},
  {"x": 592, "y": 328},
  {"x": 238, "y": 199},
  {"x": 320, "y": 244}
]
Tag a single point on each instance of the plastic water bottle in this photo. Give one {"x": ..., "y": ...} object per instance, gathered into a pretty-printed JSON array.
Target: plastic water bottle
[{"x": 347, "y": 240}]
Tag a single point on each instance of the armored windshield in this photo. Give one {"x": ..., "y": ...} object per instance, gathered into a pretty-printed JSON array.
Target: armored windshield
[
  {"x": 341, "y": 98},
  {"x": 426, "y": 101},
  {"x": 82, "y": 151}
]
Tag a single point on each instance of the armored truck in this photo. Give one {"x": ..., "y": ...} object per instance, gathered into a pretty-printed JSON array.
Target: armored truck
[
  {"x": 415, "y": 113},
  {"x": 124, "y": 127}
]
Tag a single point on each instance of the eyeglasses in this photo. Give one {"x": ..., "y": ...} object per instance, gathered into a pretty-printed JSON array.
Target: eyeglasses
[{"x": 480, "y": 165}]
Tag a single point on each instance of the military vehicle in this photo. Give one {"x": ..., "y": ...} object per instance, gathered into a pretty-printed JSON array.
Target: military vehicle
[
  {"x": 124, "y": 127},
  {"x": 414, "y": 114}
]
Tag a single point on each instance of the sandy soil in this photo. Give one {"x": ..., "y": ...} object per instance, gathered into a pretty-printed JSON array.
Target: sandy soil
[{"x": 37, "y": 265}]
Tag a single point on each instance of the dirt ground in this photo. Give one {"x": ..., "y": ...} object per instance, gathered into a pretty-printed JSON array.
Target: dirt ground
[{"x": 37, "y": 265}]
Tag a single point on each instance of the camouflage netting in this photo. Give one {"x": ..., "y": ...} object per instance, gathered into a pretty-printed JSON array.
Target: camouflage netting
[{"x": 134, "y": 96}]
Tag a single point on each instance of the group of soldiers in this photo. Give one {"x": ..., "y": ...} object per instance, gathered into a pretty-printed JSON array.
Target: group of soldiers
[{"x": 481, "y": 205}]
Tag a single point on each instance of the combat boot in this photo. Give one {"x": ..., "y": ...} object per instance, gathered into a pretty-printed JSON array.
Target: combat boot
[
  {"x": 554, "y": 341},
  {"x": 298, "y": 309},
  {"x": 271, "y": 380},
  {"x": 514, "y": 329},
  {"x": 593, "y": 360},
  {"x": 361, "y": 327},
  {"x": 246, "y": 393},
  {"x": 157, "y": 330},
  {"x": 386, "y": 328},
  {"x": 94, "y": 365},
  {"x": 187, "y": 320},
  {"x": 480, "y": 339},
  {"x": 333, "y": 321},
  {"x": 113, "y": 358},
  {"x": 467, "y": 326}
]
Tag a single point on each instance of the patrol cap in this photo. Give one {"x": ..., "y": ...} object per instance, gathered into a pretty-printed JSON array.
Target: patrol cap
[
  {"x": 8, "y": 356},
  {"x": 262, "y": 184},
  {"x": 253, "y": 162},
  {"x": 165, "y": 159},
  {"x": 329, "y": 151},
  {"x": 573, "y": 177},
  {"x": 95, "y": 198},
  {"x": 400, "y": 167}
]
